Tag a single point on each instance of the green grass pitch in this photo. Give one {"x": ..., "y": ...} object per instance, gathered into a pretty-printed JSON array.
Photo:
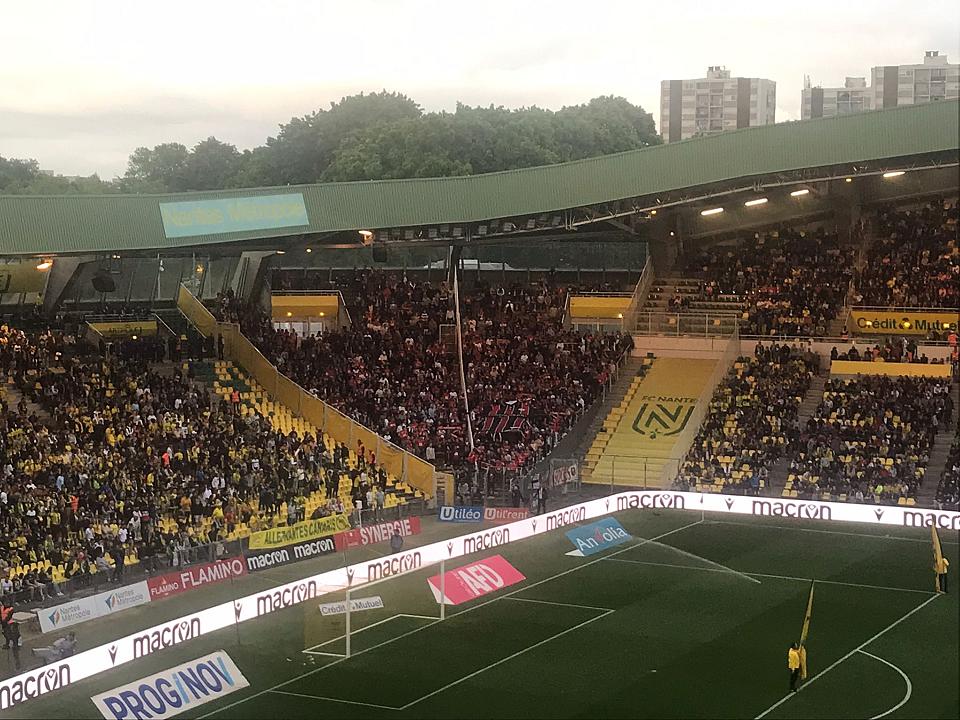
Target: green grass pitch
[{"x": 693, "y": 624}]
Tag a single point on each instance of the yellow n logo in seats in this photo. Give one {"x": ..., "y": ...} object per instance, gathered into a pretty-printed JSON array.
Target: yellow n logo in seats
[{"x": 662, "y": 418}]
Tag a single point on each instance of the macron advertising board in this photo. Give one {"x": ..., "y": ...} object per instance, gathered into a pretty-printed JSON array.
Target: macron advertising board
[
  {"x": 173, "y": 691},
  {"x": 40, "y": 681}
]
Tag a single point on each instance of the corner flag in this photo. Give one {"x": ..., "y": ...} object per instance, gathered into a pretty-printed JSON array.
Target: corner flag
[
  {"x": 803, "y": 633},
  {"x": 937, "y": 557}
]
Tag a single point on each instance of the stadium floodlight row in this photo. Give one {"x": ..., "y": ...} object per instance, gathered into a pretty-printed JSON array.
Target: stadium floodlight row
[{"x": 43, "y": 680}]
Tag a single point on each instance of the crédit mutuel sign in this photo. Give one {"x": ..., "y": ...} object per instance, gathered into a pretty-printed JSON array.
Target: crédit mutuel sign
[{"x": 41, "y": 681}]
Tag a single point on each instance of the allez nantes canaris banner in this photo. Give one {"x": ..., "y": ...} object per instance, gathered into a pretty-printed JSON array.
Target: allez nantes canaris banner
[{"x": 300, "y": 532}]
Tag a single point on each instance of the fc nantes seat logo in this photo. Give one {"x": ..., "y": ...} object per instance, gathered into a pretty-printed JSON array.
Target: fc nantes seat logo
[{"x": 663, "y": 416}]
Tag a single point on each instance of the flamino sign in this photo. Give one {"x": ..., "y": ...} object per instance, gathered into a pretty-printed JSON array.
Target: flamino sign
[
  {"x": 40, "y": 681},
  {"x": 300, "y": 532},
  {"x": 865, "y": 322}
]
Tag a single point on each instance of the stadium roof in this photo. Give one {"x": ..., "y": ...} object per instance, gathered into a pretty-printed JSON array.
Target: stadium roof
[{"x": 90, "y": 224}]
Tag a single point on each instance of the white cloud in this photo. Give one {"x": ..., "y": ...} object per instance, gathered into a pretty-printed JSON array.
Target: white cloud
[{"x": 82, "y": 84}]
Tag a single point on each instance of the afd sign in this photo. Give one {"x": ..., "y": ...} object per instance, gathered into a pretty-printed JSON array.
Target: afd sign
[
  {"x": 460, "y": 513},
  {"x": 173, "y": 691},
  {"x": 593, "y": 538}
]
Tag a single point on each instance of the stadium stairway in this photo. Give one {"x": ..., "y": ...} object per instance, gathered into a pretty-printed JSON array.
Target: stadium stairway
[
  {"x": 638, "y": 435},
  {"x": 633, "y": 370},
  {"x": 927, "y": 494},
  {"x": 13, "y": 396},
  {"x": 780, "y": 480}
]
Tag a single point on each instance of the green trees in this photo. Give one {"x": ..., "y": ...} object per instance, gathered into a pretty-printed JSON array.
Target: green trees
[{"x": 370, "y": 137}]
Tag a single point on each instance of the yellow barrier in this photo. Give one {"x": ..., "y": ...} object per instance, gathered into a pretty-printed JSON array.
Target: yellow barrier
[
  {"x": 195, "y": 312},
  {"x": 588, "y": 306},
  {"x": 300, "y": 307},
  {"x": 852, "y": 367},
  {"x": 865, "y": 322},
  {"x": 289, "y": 393},
  {"x": 420, "y": 473},
  {"x": 299, "y": 532},
  {"x": 391, "y": 459},
  {"x": 397, "y": 462}
]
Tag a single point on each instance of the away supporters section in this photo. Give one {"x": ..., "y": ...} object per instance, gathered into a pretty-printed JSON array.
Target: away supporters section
[{"x": 100, "y": 659}]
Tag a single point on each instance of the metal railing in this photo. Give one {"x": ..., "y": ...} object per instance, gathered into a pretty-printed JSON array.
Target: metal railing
[{"x": 688, "y": 324}]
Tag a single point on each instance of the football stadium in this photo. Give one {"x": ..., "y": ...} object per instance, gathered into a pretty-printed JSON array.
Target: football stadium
[{"x": 671, "y": 431}]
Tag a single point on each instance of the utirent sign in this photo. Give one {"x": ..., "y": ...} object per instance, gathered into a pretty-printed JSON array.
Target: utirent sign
[{"x": 173, "y": 691}]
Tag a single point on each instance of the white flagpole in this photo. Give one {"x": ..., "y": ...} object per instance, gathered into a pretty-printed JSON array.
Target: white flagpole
[{"x": 463, "y": 378}]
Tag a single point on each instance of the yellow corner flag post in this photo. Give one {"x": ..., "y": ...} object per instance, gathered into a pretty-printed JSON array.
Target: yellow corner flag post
[
  {"x": 937, "y": 557},
  {"x": 803, "y": 634}
]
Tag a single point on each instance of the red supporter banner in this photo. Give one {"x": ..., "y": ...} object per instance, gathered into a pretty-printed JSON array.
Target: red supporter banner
[
  {"x": 197, "y": 576},
  {"x": 381, "y": 532},
  {"x": 505, "y": 514},
  {"x": 475, "y": 580}
]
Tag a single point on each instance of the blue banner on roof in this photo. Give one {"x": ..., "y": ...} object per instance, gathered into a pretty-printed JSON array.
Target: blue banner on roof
[{"x": 227, "y": 215}]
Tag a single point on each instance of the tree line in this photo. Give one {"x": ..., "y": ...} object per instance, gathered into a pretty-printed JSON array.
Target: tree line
[{"x": 376, "y": 136}]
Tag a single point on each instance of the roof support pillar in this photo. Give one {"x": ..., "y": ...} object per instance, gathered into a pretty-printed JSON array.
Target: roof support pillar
[{"x": 63, "y": 271}]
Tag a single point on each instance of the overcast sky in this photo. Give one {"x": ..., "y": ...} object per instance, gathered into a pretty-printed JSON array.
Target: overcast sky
[{"x": 82, "y": 83}]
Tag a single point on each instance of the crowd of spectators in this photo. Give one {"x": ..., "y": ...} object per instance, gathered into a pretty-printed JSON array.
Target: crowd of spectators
[
  {"x": 396, "y": 369},
  {"x": 752, "y": 421},
  {"x": 914, "y": 260},
  {"x": 948, "y": 491},
  {"x": 892, "y": 349},
  {"x": 791, "y": 282},
  {"x": 132, "y": 464},
  {"x": 870, "y": 438}
]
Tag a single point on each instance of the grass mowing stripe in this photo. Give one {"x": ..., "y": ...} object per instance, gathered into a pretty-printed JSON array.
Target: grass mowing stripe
[
  {"x": 470, "y": 609},
  {"x": 906, "y": 679},
  {"x": 827, "y": 532},
  {"x": 857, "y": 649},
  {"x": 768, "y": 575},
  {"x": 506, "y": 659}
]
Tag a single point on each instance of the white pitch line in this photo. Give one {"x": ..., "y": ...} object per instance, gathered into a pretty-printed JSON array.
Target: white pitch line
[
  {"x": 358, "y": 630},
  {"x": 775, "y": 577},
  {"x": 333, "y": 699},
  {"x": 857, "y": 649},
  {"x": 828, "y": 532},
  {"x": 506, "y": 659},
  {"x": 325, "y": 654},
  {"x": 470, "y": 609},
  {"x": 560, "y": 604},
  {"x": 906, "y": 679}
]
